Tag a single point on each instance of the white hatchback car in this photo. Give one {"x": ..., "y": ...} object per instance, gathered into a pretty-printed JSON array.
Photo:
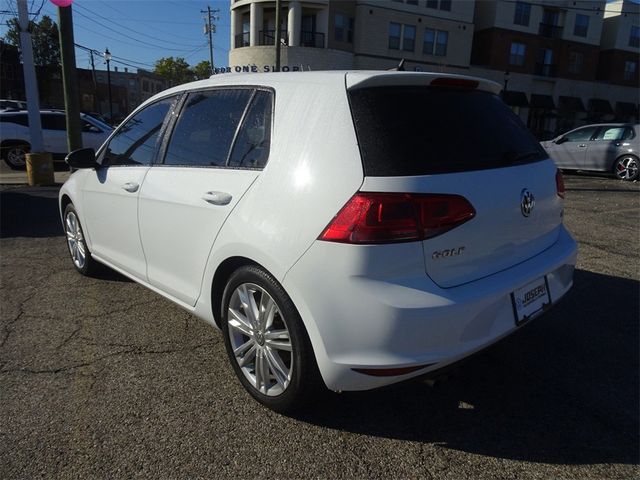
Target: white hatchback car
[
  {"x": 15, "y": 136},
  {"x": 351, "y": 229}
]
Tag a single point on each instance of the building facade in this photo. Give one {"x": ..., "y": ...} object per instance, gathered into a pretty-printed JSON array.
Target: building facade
[{"x": 563, "y": 63}]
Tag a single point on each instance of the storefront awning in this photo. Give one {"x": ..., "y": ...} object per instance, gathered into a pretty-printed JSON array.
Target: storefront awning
[
  {"x": 598, "y": 105},
  {"x": 542, "y": 101},
  {"x": 515, "y": 99},
  {"x": 571, "y": 104},
  {"x": 627, "y": 109}
]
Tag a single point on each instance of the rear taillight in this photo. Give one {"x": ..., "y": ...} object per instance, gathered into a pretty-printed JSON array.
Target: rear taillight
[
  {"x": 397, "y": 217},
  {"x": 559, "y": 184}
]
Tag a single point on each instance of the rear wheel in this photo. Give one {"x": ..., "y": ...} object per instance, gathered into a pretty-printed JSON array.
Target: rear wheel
[
  {"x": 266, "y": 341},
  {"x": 626, "y": 168},
  {"x": 15, "y": 155},
  {"x": 80, "y": 254}
]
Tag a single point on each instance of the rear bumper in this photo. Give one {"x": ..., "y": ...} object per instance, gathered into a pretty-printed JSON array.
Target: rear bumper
[{"x": 365, "y": 312}]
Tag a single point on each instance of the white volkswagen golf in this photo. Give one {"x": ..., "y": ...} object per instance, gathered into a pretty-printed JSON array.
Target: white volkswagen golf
[{"x": 346, "y": 229}]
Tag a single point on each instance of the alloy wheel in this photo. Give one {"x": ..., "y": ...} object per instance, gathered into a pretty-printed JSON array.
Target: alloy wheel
[
  {"x": 16, "y": 156},
  {"x": 627, "y": 168},
  {"x": 260, "y": 339},
  {"x": 75, "y": 240}
]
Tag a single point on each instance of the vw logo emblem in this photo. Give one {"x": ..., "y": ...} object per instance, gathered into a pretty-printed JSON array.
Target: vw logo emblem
[{"x": 527, "y": 202}]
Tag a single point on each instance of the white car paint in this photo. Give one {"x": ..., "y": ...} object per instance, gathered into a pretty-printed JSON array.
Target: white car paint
[{"x": 363, "y": 306}]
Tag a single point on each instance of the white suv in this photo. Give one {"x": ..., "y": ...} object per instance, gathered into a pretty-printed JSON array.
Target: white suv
[
  {"x": 347, "y": 229},
  {"x": 15, "y": 137}
]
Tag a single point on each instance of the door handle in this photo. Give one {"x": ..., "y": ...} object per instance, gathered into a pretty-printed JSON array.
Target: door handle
[
  {"x": 131, "y": 187},
  {"x": 582, "y": 145},
  {"x": 217, "y": 198}
]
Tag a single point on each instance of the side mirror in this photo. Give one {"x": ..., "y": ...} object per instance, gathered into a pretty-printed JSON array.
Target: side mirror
[
  {"x": 560, "y": 140},
  {"x": 82, "y": 158}
]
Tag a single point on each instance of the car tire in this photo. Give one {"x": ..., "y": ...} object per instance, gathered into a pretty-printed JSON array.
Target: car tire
[
  {"x": 81, "y": 257},
  {"x": 14, "y": 155},
  {"x": 269, "y": 349},
  {"x": 626, "y": 168}
]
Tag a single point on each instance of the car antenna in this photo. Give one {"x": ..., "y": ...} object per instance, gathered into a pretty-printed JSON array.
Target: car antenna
[{"x": 399, "y": 68}]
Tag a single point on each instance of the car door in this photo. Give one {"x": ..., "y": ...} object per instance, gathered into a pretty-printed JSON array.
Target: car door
[
  {"x": 606, "y": 146},
  {"x": 54, "y": 132},
  {"x": 215, "y": 151},
  {"x": 569, "y": 150},
  {"x": 110, "y": 192}
]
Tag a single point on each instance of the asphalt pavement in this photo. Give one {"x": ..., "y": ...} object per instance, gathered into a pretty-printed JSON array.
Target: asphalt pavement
[{"x": 101, "y": 378}]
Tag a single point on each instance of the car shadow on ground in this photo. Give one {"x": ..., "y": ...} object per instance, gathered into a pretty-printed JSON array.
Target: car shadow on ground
[
  {"x": 563, "y": 390},
  {"x": 30, "y": 212}
]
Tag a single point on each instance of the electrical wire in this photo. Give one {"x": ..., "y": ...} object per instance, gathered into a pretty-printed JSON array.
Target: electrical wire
[{"x": 127, "y": 28}]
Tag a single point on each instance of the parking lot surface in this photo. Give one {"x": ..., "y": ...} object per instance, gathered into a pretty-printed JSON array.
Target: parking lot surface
[{"x": 100, "y": 377}]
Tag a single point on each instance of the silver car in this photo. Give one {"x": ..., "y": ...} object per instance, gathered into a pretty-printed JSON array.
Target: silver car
[{"x": 608, "y": 147}]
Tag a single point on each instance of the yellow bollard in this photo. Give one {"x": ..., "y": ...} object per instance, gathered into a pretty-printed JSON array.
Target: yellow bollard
[{"x": 40, "y": 169}]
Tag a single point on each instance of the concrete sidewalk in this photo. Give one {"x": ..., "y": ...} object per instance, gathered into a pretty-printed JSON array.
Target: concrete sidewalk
[{"x": 19, "y": 177}]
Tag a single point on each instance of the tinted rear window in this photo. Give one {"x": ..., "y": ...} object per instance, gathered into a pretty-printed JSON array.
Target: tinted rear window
[{"x": 425, "y": 130}]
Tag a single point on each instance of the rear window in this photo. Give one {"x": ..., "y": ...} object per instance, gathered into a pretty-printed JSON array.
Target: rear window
[
  {"x": 417, "y": 130},
  {"x": 20, "y": 119}
]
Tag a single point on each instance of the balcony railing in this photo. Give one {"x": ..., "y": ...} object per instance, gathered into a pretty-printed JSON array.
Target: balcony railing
[
  {"x": 550, "y": 31},
  {"x": 268, "y": 37},
  {"x": 311, "y": 39},
  {"x": 545, "y": 69},
  {"x": 242, "y": 40}
]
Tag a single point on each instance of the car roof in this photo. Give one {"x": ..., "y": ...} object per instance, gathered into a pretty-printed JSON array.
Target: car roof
[{"x": 340, "y": 78}]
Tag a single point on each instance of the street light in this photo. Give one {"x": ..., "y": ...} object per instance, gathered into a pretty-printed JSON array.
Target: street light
[
  {"x": 507, "y": 75},
  {"x": 107, "y": 59}
]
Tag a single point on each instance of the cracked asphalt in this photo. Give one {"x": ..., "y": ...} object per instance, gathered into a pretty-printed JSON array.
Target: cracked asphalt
[{"x": 100, "y": 377}]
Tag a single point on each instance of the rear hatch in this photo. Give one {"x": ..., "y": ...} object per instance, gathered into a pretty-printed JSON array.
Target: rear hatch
[{"x": 421, "y": 135}]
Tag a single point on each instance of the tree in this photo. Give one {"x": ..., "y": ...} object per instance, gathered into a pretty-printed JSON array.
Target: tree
[
  {"x": 202, "y": 70},
  {"x": 45, "y": 39},
  {"x": 174, "y": 70}
]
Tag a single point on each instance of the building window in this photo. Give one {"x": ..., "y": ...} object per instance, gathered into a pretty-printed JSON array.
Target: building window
[
  {"x": 409, "y": 38},
  {"x": 523, "y": 12},
  {"x": 432, "y": 3},
  {"x": 394, "y": 36},
  {"x": 516, "y": 54},
  {"x": 435, "y": 42},
  {"x": 412, "y": 2},
  {"x": 545, "y": 66},
  {"x": 445, "y": 5},
  {"x": 576, "y": 60},
  {"x": 630, "y": 70},
  {"x": 343, "y": 30},
  {"x": 442, "y": 38},
  {"x": 581, "y": 26},
  {"x": 634, "y": 37}
]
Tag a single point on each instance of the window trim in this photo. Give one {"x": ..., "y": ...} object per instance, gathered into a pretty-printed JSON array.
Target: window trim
[{"x": 168, "y": 132}]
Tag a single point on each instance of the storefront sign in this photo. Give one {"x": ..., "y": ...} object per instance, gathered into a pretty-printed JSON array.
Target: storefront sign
[{"x": 255, "y": 69}]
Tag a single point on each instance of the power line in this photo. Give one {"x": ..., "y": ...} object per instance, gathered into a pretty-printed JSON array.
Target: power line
[
  {"x": 132, "y": 30},
  {"x": 133, "y": 38}
]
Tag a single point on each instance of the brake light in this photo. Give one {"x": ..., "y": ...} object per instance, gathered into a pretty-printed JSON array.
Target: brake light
[
  {"x": 370, "y": 218},
  {"x": 559, "y": 184},
  {"x": 454, "y": 83}
]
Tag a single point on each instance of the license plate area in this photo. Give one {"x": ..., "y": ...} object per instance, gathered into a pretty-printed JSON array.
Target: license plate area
[{"x": 530, "y": 300}]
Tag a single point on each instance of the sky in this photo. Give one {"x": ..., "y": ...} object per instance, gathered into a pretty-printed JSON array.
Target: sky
[{"x": 138, "y": 32}]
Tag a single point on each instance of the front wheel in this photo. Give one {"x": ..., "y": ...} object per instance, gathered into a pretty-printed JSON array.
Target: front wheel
[
  {"x": 80, "y": 254},
  {"x": 266, "y": 341},
  {"x": 626, "y": 168},
  {"x": 16, "y": 156}
]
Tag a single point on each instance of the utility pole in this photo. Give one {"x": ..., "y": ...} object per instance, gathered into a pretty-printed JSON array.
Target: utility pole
[
  {"x": 69, "y": 78},
  {"x": 30, "y": 84},
  {"x": 278, "y": 34},
  {"x": 210, "y": 28},
  {"x": 39, "y": 165}
]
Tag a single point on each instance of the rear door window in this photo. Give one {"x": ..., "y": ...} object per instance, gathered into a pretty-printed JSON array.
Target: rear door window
[
  {"x": 251, "y": 148},
  {"x": 206, "y": 128},
  {"x": 416, "y": 130},
  {"x": 53, "y": 121},
  {"x": 614, "y": 133}
]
